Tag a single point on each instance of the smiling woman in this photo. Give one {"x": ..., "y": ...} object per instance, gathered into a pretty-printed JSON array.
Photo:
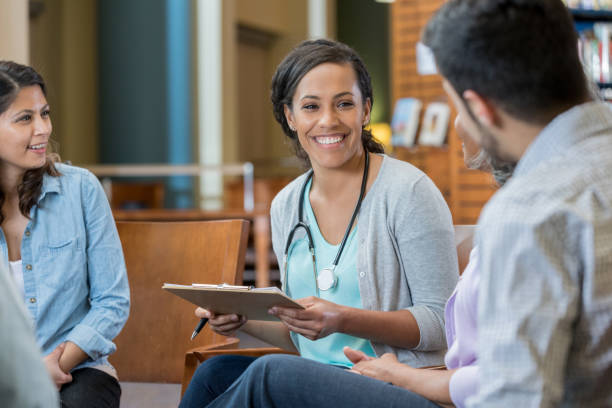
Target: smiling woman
[
  {"x": 58, "y": 237},
  {"x": 366, "y": 241}
]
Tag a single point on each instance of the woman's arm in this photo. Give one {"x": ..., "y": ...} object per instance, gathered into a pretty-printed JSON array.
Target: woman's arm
[
  {"x": 71, "y": 357},
  {"x": 322, "y": 318},
  {"x": 431, "y": 384},
  {"x": 108, "y": 285},
  {"x": 422, "y": 227}
]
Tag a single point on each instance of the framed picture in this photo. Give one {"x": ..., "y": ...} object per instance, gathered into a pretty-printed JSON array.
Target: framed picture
[{"x": 435, "y": 124}]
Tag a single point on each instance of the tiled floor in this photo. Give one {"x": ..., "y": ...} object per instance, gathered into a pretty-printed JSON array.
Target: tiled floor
[{"x": 151, "y": 395}]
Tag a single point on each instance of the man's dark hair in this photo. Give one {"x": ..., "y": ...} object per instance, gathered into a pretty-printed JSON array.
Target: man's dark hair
[
  {"x": 303, "y": 58},
  {"x": 520, "y": 54}
]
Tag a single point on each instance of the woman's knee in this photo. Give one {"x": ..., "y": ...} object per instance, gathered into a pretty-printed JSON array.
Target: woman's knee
[
  {"x": 220, "y": 371},
  {"x": 276, "y": 363}
]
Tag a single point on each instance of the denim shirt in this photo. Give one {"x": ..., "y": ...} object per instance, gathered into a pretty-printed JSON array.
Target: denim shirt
[{"x": 75, "y": 281}]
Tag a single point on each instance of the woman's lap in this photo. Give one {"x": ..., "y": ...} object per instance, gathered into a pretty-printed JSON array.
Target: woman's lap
[
  {"x": 282, "y": 381},
  {"x": 91, "y": 387}
]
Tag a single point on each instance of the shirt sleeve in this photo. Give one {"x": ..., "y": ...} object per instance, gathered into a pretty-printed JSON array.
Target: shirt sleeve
[
  {"x": 463, "y": 384},
  {"x": 108, "y": 284},
  {"x": 425, "y": 237},
  {"x": 529, "y": 300}
]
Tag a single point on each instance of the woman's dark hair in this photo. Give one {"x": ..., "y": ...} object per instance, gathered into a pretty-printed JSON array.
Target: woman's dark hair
[
  {"x": 13, "y": 78},
  {"x": 302, "y": 59},
  {"x": 521, "y": 54}
]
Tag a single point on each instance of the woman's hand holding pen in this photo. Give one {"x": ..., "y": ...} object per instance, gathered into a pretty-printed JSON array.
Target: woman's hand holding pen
[
  {"x": 225, "y": 325},
  {"x": 319, "y": 319}
]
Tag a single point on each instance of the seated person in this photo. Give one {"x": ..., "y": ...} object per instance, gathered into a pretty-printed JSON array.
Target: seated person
[
  {"x": 62, "y": 247},
  {"x": 284, "y": 381},
  {"x": 513, "y": 72},
  {"x": 366, "y": 241}
]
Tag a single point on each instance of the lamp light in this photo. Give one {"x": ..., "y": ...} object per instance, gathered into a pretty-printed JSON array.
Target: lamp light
[{"x": 381, "y": 132}]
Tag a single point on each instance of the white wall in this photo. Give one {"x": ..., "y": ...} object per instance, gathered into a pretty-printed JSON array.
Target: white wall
[{"x": 14, "y": 38}]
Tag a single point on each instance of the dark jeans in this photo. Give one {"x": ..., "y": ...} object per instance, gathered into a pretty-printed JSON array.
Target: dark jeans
[
  {"x": 91, "y": 388},
  {"x": 212, "y": 378},
  {"x": 288, "y": 381}
]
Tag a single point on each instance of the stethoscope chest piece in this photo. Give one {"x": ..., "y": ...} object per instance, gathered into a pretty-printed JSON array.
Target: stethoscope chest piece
[{"x": 326, "y": 279}]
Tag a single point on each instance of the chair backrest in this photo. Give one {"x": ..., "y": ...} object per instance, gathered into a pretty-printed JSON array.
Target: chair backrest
[
  {"x": 464, "y": 236},
  {"x": 133, "y": 195},
  {"x": 152, "y": 345}
]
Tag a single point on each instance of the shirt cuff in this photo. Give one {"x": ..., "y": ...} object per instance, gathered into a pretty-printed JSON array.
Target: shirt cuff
[
  {"x": 463, "y": 384},
  {"x": 91, "y": 342}
]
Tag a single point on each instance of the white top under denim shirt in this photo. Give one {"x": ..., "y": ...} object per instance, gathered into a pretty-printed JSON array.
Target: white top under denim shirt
[
  {"x": 75, "y": 282},
  {"x": 406, "y": 256},
  {"x": 545, "y": 241}
]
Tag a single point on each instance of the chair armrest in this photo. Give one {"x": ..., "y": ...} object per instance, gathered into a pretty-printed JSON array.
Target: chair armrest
[
  {"x": 229, "y": 342},
  {"x": 203, "y": 355}
]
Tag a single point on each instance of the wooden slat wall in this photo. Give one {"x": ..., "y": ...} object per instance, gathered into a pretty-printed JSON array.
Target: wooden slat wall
[{"x": 466, "y": 191}]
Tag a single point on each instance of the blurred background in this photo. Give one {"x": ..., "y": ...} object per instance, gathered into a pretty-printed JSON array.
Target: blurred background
[
  {"x": 167, "y": 101},
  {"x": 181, "y": 81}
]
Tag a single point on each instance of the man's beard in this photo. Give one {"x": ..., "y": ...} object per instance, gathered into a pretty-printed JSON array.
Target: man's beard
[
  {"x": 491, "y": 159},
  {"x": 491, "y": 146},
  {"x": 479, "y": 162}
]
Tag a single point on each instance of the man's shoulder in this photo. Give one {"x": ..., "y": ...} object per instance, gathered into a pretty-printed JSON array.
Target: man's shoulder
[{"x": 559, "y": 189}]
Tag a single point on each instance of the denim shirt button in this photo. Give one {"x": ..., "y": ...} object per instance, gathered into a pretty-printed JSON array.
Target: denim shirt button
[
  {"x": 29, "y": 267},
  {"x": 32, "y": 300},
  {"x": 27, "y": 233}
]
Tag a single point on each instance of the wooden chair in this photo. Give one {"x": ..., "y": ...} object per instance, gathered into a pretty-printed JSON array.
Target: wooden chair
[
  {"x": 133, "y": 195},
  {"x": 151, "y": 346},
  {"x": 463, "y": 240}
]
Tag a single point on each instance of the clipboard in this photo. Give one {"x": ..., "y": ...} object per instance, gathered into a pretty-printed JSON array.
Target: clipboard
[{"x": 229, "y": 299}]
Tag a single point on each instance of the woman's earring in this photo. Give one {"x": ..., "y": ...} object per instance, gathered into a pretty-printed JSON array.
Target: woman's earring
[{"x": 292, "y": 128}]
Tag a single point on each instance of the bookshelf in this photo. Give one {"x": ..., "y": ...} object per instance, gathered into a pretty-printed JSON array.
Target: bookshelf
[
  {"x": 594, "y": 26},
  {"x": 591, "y": 15}
]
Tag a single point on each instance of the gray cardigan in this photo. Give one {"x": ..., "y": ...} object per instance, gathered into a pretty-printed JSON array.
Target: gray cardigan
[{"x": 406, "y": 255}]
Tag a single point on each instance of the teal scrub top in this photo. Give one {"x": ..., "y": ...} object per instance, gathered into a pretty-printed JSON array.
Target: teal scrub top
[{"x": 301, "y": 284}]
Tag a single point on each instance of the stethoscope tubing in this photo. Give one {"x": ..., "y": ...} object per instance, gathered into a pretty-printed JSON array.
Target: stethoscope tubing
[{"x": 303, "y": 225}]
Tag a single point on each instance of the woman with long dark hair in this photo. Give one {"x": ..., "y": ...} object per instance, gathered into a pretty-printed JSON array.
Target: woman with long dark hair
[
  {"x": 365, "y": 241},
  {"x": 58, "y": 237}
]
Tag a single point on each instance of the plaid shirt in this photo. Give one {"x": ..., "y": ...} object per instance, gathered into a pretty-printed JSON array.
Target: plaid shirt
[{"x": 545, "y": 303}]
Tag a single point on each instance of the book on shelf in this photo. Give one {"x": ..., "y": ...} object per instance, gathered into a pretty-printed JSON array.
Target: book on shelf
[
  {"x": 594, "y": 48},
  {"x": 589, "y": 4},
  {"x": 405, "y": 122}
]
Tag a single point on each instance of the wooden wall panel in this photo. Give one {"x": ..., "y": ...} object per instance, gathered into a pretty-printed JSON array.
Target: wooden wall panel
[{"x": 466, "y": 191}]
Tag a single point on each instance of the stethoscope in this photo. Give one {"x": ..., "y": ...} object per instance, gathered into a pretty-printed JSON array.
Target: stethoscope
[{"x": 326, "y": 279}]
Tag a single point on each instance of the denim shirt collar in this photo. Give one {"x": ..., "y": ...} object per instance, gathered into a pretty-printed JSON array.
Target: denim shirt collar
[
  {"x": 567, "y": 129},
  {"x": 50, "y": 185}
]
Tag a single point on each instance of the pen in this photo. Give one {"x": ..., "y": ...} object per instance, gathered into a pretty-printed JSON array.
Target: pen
[{"x": 199, "y": 327}]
